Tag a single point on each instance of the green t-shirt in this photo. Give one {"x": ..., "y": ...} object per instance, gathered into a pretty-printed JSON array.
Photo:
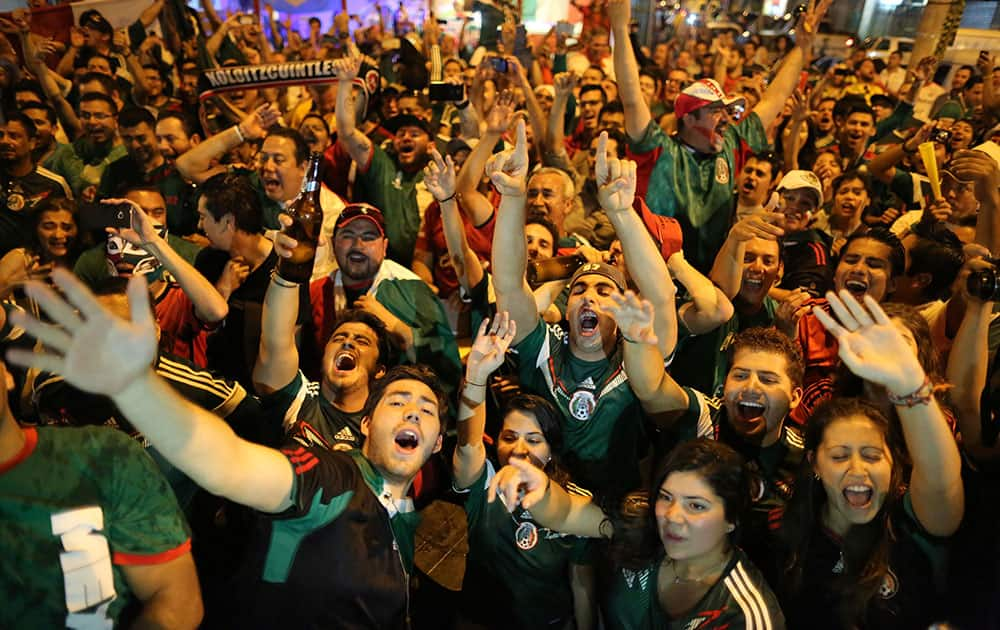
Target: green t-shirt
[
  {"x": 740, "y": 599},
  {"x": 76, "y": 504},
  {"x": 394, "y": 192},
  {"x": 696, "y": 189},
  {"x": 602, "y": 419},
  {"x": 528, "y": 563},
  {"x": 82, "y": 164}
]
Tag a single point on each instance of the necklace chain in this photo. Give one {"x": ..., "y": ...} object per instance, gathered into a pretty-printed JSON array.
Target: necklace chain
[{"x": 687, "y": 580}]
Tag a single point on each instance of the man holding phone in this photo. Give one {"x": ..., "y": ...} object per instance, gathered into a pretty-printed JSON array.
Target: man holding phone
[{"x": 118, "y": 257}]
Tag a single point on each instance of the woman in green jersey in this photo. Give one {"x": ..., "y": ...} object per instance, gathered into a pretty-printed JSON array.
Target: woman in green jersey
[
  {"x": 538, "y": 574},
  {"x": 674, "y": 562}
]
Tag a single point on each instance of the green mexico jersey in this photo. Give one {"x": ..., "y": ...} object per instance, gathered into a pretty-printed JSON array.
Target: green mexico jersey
[
  {"x": 695, "y": 188},
  {"x": 602, "y": 418},
  {"x": 76, "y": 504},
  {"x": 740, "y": 599},
  {"x": 399, "y": 195},
  {"x": 522, "y": 563}
]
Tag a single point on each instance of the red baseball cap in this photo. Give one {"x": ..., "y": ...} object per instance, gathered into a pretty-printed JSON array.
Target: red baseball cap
[{"x": 699, "y": 94}]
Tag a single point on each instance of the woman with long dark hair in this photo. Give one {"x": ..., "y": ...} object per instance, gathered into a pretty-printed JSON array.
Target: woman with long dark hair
[
  {"x": 860, "y": 546},
  {"x": 54, "y": 242},
  {"x": 674, "y": 560},
  {"x": 541, "y": 576}
]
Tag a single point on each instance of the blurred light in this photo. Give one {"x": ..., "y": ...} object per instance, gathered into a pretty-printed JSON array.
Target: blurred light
[
  {"x": 786, "y": 17},
  {"x": 791, "y": 32},
  {"x": 745, "y": 34},
  {"x": 849, "y": 42},
  {"x": 692, "y": 18}
]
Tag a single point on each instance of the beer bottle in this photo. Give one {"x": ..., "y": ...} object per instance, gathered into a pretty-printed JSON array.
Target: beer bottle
[
  {"x": 556, "y": 268},
  {"x": 307, "y": 221}
]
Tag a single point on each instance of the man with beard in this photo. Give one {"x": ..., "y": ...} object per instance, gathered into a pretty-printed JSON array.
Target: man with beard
[
  {"x": 176, "y": 134},
  {"x": 404, "y": 303},
  {"x": 83, "y": 161},
  {"x": 331, "y": 513},
  {"x": 146, "y": 165},
  {"x": 24, "y": 183},
  {"x": 586, "y": 378},
  {"x": 281, "y": 168},
  {"x": 392, "y": 183},
  {"x": 689, "y": 176}
]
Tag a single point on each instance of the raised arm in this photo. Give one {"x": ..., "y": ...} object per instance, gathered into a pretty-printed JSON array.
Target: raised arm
[
  {"x": 278, "y": 358},
  {"x": 977, "y": 166},
  {"x": 637, "y": 114},
  {"x": 520, "y": 79},
  {"x": 616, "y": 181},
  {"x": 509, "y": 171},
  {"x": 209, "y": 305},
  {"x": 474, "y": 203},
  {"x": 357, "y": 144},
  {"x": 33, "y": 60},
  {"x": 439, "y": 177},
  {"x": 969, "y": 362},
  {"x": 554, "y": 151},
  {"x": 485, "y": 356},
  {"x": 727, "y": 270},
  {"x": 520, "y": 482},
  {"x": 709, "y": 307},
  {"x": 150, "y": 13},
  {"x": 196, "y": 164},
  {"x": 874, "y": 349},
  {"x": 787, "y": 78},
  {"x": 883, "y": 166},
  {"x": 98, "y": 352}
]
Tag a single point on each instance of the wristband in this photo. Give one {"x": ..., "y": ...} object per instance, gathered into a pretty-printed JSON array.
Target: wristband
[
  {"x": 239, "y": 134},
  {"x": 468, "y": 382},
  {"x": 448, "y": 198},
  {"x": 921, "y": 396},
  {"x": 281, "y": 282},
  {"x": 462, "y": 105}
]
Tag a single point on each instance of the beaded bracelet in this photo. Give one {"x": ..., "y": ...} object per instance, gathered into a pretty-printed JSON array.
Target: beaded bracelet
[{"x": 921, "y": 396}]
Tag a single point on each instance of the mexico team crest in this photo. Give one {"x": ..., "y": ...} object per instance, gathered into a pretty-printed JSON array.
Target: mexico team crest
[
  {"x": 582, "y": 404},
  {"x": 526, "y": 535},
  {"x": 721, "y": 170}
]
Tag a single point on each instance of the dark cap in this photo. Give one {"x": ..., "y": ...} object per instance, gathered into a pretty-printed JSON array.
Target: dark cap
[
  {"x": 93, "y": 19},
  {"x": 396, "y": 123},
  {"x": 356, "y": 211},
  {"x": 455, "y": 145},
  {"x": 600, "y": 269}
]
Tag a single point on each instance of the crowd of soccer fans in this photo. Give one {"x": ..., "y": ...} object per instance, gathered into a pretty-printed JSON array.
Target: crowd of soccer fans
[{"x": 695, "y": 332}]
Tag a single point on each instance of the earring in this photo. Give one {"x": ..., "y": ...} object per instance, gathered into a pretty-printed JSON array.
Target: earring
[{"x": 817, "y": 477}]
